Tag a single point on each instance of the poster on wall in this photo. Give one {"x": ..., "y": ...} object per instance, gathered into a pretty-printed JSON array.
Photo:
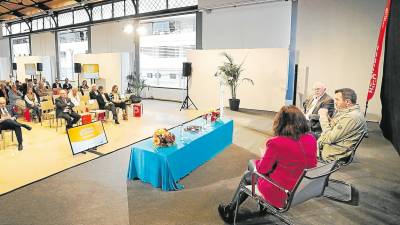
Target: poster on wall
[
  {"x": 30, "y": 69},
  {"x": 86, "y": 137},
  {"x": 90, "y": 71}
]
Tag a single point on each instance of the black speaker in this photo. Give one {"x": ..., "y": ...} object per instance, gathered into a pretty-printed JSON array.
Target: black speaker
[
  {"x": 187, "y": 69},
  {"x": 14, "y": 66},
  {"x": 39, "y": 67},
  {"x": 77, "y": 68}
]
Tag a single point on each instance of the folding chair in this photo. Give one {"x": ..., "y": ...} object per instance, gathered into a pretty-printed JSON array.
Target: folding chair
[
  {"x": 310, "y": 185},
  {"x": 339, "y": 190}
]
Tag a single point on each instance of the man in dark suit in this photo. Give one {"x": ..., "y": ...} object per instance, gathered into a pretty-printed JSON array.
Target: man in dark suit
[
  {"x": 106, "y": 104},
  {"x": 67, "y": 86},
  {"x": 93, "y": 93},
  {"x": 64, "y": 109},
  {"x": 8, "y": 122},
  {"x": 319, "y": 99}
]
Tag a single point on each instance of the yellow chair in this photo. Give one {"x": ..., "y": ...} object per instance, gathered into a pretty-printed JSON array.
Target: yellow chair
[
  {"x": 85, "y": 99},
  {"x": 48, "y": 111},
  {"x": 3, "y": 132}
]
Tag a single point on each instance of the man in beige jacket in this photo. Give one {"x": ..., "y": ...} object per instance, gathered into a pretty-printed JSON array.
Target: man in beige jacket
[{"x": 344, "y": 129}]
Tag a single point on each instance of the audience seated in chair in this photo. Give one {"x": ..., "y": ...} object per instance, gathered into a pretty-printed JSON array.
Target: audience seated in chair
[
  {"x": 13, "y": 95},
  {"x": 74, "y": 96},
  {"x": 319, "y": 99},
  {"x": 8, "y": 122},
  {"x": 84, "y": 87},
  {"x": 94, "y": 92},
  {"x": 32, "y": 102},
  {"x": 67, "y": 86},
  {"x": 344, "y": 129},
  {"x": 105, "y": 103},
  {"x": 115, "y": 98},
  {"x": 292, "y": 150},
  {"x": 64, "y": 109},
  {"x": 56, "y": 86},
  {"x": 4, "y": 92},
  {"x": 41, "y": 89}
]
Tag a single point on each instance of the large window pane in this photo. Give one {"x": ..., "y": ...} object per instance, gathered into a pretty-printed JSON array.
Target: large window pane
[
  {"x": 181, "y": 3},
  {"x": 4, "y": 29},
  {"x": 24, "y": 27},
  {"x": 96, "y": 13},
  {"x": 16, "y": 28},
  {"x": 164, "y": 44},
  {"x": 107, "y": 11},
  {"x": 65, "y": 19},
  {"x": 80, "y": 16},
  {"x": 20, "y": 47},
  {"x": 71, "y": 43},
  {"x": 152, "y": 5},
  {"x": 119, "y": 9}
]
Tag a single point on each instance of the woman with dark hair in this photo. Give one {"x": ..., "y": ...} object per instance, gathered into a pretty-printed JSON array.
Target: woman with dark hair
[{"x": 288, "y": 153}]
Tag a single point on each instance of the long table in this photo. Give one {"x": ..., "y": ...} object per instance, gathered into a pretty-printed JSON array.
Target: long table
[{"x": 164, "y": 167}]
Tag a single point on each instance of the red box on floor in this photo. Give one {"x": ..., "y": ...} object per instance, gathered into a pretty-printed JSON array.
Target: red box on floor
[
  {"x": 101, "y": 115},
  {"x": 137, "y": 110},
  {"x": 86, "y": 118},
  {"x": 27, "y": 115}
]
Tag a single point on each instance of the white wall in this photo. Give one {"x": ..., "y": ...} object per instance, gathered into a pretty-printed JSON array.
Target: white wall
[
  {"x": 265, "y": 25},
  {"x": 5, "y": 66},
  {"x": 336, "y": 42},
  {"x": 109, "y": 37},
  {"x": 110, "y": 67},
  {"x": 22, "y": 60},
  {"x": 268, "y": 68},
  {"x": 44, "y": 44}
]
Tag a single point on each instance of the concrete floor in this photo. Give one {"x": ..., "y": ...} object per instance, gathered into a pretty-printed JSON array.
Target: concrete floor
[{"x": 98, "y": 193}]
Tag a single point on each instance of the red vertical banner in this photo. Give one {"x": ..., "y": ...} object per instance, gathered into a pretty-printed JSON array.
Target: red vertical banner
[{"x": 375, "y": 67}]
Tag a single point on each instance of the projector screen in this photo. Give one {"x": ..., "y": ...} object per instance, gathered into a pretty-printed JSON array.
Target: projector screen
[
  {"x": 85, "y": 137},
  {"x": 30, "y": 69},
  {"x": 90, "y": 71}
]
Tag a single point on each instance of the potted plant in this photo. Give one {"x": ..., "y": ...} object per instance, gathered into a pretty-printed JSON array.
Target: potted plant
[
  {"x": 230, "y": 73},
  {"x": 135, "y": 87}
]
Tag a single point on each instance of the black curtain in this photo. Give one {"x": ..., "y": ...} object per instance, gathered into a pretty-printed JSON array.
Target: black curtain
[{"x": 390, "y": 93}]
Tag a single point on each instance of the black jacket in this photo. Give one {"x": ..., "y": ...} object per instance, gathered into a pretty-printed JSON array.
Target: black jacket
[
  {"x": 93, "y": 95},
  {"x": 100, "y": 100}
]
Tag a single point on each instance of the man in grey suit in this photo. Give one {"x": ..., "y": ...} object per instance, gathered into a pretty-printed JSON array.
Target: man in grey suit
[
  {"x": 64, "y": 109},
  {"x": 319, "y": 99}
]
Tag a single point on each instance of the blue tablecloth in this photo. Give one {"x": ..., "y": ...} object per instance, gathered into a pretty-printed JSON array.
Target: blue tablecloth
[{"x": 164, "y": 167}]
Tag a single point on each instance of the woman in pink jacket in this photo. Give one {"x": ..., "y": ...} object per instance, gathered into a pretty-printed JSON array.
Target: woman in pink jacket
[{"x": 288, "y": 153}]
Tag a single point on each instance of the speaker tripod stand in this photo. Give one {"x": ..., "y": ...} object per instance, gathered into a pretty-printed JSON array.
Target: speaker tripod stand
[{"x": 188, "y": 101}]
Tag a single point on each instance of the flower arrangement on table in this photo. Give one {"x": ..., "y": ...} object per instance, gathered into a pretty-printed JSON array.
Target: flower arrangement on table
[
  {"x": 163, "y": 138},
  {"x": 214, "y": 115}
]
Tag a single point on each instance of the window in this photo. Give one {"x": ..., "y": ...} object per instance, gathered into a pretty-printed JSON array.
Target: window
[
  {"x": 96, "y": 13},
  {"x": 119, "y": 9},
  {"x": 164, "y": 44},
  {"x": 4, "y": 29},
  {"x": 65, "y": 19},
  {"x": 152, "y": 5},
  {"x": 70, "y": 43},
  {"x": 80, "y": 16},
  {"x": 20, "y": 47},
  {"x": 107, "y": 11},
  {"x": 24, "y": 27},
  {"x": 16, "y": 28}
]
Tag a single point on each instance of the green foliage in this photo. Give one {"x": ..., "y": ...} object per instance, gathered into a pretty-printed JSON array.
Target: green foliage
[
  {"x": 230, "y": 73},
  {"x": 135, "y": 84}
]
